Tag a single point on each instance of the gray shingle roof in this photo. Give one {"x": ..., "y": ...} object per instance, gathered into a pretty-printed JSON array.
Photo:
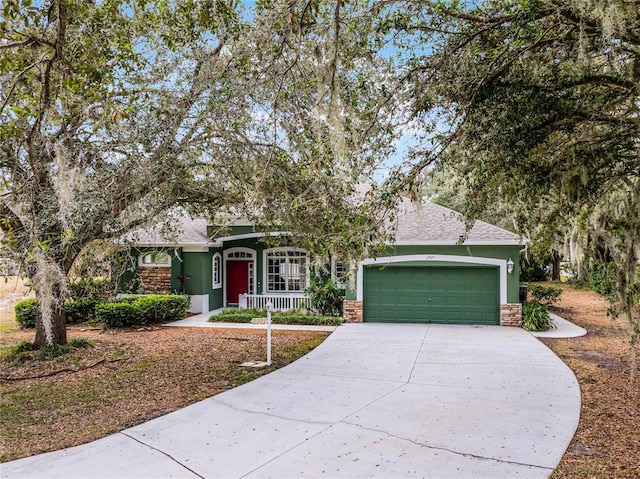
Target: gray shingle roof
[
  {"x": 184, "y": 231},
  {"x": 429, "y": 223},
  {"x": 425, "y": 223}
]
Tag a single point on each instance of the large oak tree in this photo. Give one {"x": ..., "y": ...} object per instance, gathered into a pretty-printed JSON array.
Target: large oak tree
[{"x": 111, "y": 112}]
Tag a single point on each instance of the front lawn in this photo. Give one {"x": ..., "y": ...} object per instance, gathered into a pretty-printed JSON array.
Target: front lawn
[{"x": 127, "y": 378}]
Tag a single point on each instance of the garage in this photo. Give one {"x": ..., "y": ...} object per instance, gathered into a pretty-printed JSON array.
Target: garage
[{"x": 432, "y": 294}]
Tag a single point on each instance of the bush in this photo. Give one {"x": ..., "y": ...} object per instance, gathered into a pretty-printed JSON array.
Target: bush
[
  {"x": 80, "y": 311},
  {"x": 533, "y": 271},
  {"x": 158, "y": 308},
  {"x": 90, "y": 288},
  {"x": 138, "y": 310},
  {"x": 602, "y": 278},
  {"x": 535, "y": 317},
  {"x": 117, "y": 315},
  {"x": 546, "y": 295},
  {"x": 326, "y": 298},
  {"x": 26, "y": 312}
]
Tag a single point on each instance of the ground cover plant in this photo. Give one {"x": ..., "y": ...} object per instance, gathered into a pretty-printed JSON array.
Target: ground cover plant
[
  {"x": 277, "y": 317},
  {"x": 535, "y": 311}
]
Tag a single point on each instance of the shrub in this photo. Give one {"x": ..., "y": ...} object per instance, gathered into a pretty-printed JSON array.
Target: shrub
[
  {"x": 158, "y": 308},
  {"x": 533, "y": 271},
  {"x": 138, "y": 310},
  {"x": 535, "y": 317},
  {"x": 80, "y": 311},
  {"x": 26, "y": 312},
  {"x": 546, "y": 295},
  {"x": 602, "y": 278},
  {"x": 326, "y": 298},
  {"x": 90, "y": 288},
  {"x": 117, "y": 315},
  {"x": 76, "y": 311}
]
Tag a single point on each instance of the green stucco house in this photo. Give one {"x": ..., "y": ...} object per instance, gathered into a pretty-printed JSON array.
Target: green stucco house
[{"x": 426, "y": 275}]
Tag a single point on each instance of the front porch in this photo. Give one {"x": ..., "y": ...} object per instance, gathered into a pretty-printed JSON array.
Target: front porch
[{"x": 279, "y": 302}]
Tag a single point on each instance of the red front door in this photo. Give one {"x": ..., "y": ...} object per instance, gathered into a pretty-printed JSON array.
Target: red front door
[{"x": 237, "y": 280}]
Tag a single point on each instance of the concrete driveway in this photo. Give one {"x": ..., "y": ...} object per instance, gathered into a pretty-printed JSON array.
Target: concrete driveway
[{"x": 374, "y": 400}]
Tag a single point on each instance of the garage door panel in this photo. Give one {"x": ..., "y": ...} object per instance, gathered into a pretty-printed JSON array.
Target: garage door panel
[{"x": 432, "y": 294}]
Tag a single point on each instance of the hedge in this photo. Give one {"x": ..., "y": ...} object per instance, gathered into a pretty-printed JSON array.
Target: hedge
[
  {"x": 158, "y": 308},
  {"x": 76, "y": 311},
  {"x": 155, "y": 308},
  {"x": 134, "y": 311}
]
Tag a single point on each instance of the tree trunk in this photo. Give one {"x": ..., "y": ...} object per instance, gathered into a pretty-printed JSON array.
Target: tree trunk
[
  {"x": 555, "y": 259},
  {"x": 56, "y": 331},
  {"x": 50, "y": 284}
]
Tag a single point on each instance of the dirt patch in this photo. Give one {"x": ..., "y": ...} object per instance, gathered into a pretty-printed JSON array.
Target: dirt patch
[{"x": 607, "y": 442}]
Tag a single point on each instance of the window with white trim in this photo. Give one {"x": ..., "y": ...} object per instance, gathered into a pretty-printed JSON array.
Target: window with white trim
[
  {"x": 154, "y": 258},
  {"x": 286, "y": 270},
  {"x": 339, "y": 271},
  {"x": 216, "y": 271}
]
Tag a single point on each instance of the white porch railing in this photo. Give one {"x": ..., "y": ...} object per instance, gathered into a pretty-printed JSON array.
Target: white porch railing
[{"x": 280, "y": 302}]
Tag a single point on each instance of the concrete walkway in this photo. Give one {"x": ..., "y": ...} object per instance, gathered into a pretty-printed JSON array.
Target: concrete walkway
[{"x": 374, "y": 400}]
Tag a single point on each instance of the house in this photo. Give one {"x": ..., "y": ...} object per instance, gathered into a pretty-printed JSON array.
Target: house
[{"x": 427, "y": 275}]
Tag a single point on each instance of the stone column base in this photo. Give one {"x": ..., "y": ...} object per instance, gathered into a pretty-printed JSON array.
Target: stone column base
[
  {"x": 510, "y": 314},
  {"x": 352, "y": 311}
]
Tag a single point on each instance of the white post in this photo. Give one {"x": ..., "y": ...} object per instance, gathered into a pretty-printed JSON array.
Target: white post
[{"x": 269, "y": 307}]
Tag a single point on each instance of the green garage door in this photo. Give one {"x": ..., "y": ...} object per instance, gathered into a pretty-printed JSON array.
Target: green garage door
[{"x": 464, "y": 295}]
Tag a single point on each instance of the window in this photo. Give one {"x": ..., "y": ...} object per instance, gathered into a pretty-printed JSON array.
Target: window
[
  {"x": 286, "y": 270},
  {"x": 217, "y": 271},
  {"x": 339, "y": 273},
  {"x": 154, "y": 258}
]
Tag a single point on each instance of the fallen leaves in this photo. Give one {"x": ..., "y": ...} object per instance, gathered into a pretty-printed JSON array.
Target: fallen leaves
[
  {"x": 607, "y": 442},
  {"x": 129, "y": 377}
]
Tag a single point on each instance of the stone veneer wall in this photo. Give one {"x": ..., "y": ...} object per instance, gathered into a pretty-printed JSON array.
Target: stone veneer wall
[
  {"x": 510, "y": 314},
  {"x": 155, "y": 279},
  {"x": 352, "y": 311}
]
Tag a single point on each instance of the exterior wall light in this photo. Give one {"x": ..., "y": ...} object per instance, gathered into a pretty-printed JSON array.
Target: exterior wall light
[{"x": 510, "y": 266}]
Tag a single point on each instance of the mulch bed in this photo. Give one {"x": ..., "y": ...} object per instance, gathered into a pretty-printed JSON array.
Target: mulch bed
[{"x": 607, "y": 442}]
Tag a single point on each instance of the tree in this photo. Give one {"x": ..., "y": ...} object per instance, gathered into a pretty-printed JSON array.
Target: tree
[
  {"x": 541, "y": 99},
  {"x": 112, "y": 112}
]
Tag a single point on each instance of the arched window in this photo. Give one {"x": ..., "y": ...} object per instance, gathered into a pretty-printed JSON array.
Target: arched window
[{"x": 217, "y": 271}]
